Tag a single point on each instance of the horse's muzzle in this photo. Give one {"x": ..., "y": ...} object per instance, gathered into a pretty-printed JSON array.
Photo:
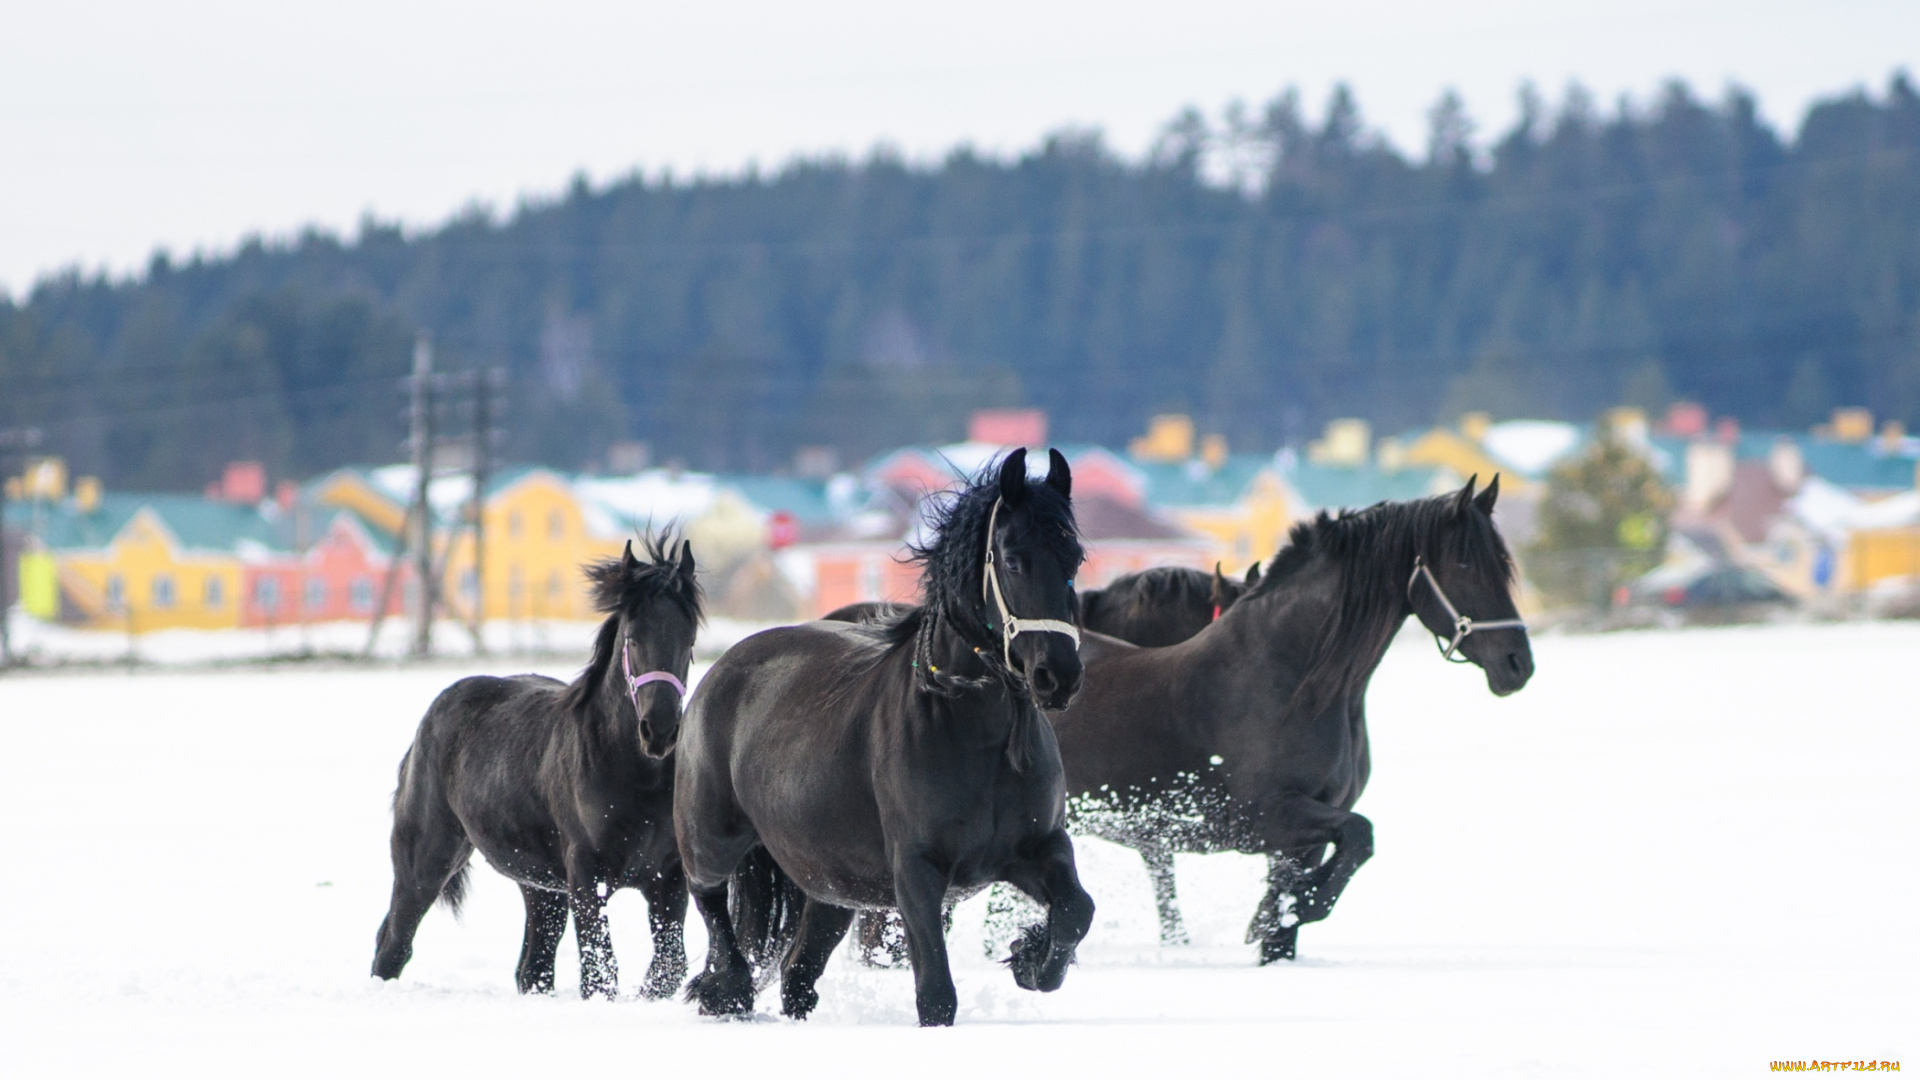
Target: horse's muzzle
[{"x": 660, "y": 729}]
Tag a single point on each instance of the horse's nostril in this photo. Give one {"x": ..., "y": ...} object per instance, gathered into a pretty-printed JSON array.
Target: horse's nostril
[{"x": 1513, "y": 661}]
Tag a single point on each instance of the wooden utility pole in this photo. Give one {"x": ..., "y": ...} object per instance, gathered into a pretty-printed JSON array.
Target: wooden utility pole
[
  {"x": 421, "y": 428},
  {"x": 482, "y": 469}
]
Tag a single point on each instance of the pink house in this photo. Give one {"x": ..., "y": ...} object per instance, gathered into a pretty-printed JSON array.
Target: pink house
[{"x": 339, "y": 578}]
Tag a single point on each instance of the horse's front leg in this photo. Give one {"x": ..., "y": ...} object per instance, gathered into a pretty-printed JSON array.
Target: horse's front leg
[
  {"x": 1042, "y": 953},
  {"x": 1295, "y": 828},
  {"x": 920, "y": 891},
  {"x": 666, "y": 894},
  {"x": 599, "y": 975}
]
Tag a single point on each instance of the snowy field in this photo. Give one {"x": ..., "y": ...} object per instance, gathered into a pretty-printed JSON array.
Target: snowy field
[{"x": 1677, "y": 854}]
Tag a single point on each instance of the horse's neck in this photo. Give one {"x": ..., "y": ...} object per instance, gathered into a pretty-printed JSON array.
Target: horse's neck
[
  {"x": 1289, "y": 621},
  {"x": 607, "y": 714}
]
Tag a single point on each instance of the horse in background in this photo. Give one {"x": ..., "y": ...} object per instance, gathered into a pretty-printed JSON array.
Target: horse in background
[
  {"x": 1251, "y": 736},
  {"x": 900, "y": 763},
  {"x": 562, "y": 787},
  {"x": 1164, "y": 605}
]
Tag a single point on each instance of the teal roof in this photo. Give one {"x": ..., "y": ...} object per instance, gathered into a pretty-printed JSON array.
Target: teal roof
[
  {"x": 1866, "y": 466},
  {"x": 198, "y": 523},
  {"x": 1333, "y": 487},
  {"x": 1192, "y": 483},
  {"x": 805, "y": 499}
]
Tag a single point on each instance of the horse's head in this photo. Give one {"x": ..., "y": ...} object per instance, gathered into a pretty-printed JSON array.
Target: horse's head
[
  {"x": 646, "y": 644},
  {"x": 1461, "y": 589},
  {"x": 1033, "y": 552}
]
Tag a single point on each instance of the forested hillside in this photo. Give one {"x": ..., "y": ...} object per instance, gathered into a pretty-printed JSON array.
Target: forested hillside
[{"x": 1263, "y": 272}]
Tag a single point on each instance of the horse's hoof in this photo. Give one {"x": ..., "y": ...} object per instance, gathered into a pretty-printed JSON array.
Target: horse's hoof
[
  {"x": 1029, "y": 955},
  {"x": 717, "y": 998},
  {"x": 1279, "y": 947},
  {"x": 799, "y": 1001},
  {"x": 659, "y": 988}
]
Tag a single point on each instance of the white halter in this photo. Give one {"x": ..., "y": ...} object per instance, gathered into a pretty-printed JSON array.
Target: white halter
[
  {"x": 1463, "y": 626},
  {"x": 1010, "y": 626}
]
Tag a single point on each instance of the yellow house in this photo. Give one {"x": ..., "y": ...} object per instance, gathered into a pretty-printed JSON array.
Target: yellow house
[
  {"x": 152, "y": 562},
  {"x": 1875, "y": 555},
  {"x": 538, "y": 534},
  {"x": 351, "y": 489},
  {"x": 1461, "y": 452}
]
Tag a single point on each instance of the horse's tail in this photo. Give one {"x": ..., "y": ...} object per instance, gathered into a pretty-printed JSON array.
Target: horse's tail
[
  {"x": 454, "y": 892},
  {"x": 766, "y": 911}
]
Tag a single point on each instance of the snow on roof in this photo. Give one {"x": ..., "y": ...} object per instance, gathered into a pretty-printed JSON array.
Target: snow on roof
[
  {"x": 446, "y": 494},
  {"x": 1828, "y": 508},
  {"x": 654, "y": 497},
  {"x": 1530, "y": 447}
]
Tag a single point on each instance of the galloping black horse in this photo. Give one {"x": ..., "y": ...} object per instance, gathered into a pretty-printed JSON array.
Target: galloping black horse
[
  {"x": 560, "y": 787},
  {"x": 1252, "y": 735},
  {"x": 1163, "y": 605},
  {"x": 896, "y": 763}
]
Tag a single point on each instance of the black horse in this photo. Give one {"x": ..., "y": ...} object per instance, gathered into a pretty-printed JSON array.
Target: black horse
[
  {"x": 560, "y": 786},
  {"x": 894, "y": 764},
  {"x": 1252, "y": 735},
  {"x": 1164, "y": 605}
]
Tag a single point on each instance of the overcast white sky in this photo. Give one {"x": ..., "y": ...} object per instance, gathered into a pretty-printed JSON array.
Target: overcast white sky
[{"x": 187, "y": 125}]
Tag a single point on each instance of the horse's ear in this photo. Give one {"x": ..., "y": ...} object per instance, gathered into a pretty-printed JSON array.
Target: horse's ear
[
  {"x": 1465, "y": 497},
  {"x": 627, "y": 561},
  {"x": 1253, "y": 574},
  {"x": 1013, "y": 478},
  {"x": 1219, "y": 586},
  {"x": 1485, "y": 499},
  {"x": 686, "y": 559},
  {"x": 1059, "y": 476}
]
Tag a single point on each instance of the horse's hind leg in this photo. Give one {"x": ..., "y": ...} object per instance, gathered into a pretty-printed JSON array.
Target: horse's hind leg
[
  {"x": 430, "y": 852},
  {"x": 666, "y": 894},
  {"x": 821, "y": 928},
  {"x": 546, "y": 921},
  {"x": 1160, "y": 870},
  {"x": 725, "y": 987},
  {"x": 1041, "y": 955}
]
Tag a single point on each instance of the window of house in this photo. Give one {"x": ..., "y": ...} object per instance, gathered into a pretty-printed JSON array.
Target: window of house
[
  {"x": 214, "y": 592},
  {"x": 513, "y": 523},
  {"x": 163, "y": 590},
  {"x": 556, "y": 524},
  {"x": 116, "y": 592},
  {"x": 553, "y": 583},
  {"x": 316, "y": 594},
  {"x": 360, "y": 593},
  {"x": 266, "y": 593}
]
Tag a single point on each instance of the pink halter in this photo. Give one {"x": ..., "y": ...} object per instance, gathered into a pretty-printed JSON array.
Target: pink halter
[{"x": 635, "y": 682}]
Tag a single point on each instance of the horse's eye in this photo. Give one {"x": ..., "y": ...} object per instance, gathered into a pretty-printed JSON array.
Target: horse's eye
[
  {"x": 1015, "y": 565},
  {"x": 1463, "y": 566}
]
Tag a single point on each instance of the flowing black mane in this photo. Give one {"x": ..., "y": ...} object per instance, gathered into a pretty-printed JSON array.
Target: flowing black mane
[
  {"x": 951, "y": 561},
  {"x": 1375, "y": 549},
  {"x": 622, "y": 588}
]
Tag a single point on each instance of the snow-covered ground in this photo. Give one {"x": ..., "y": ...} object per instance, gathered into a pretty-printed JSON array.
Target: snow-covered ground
[{"x": 1675, "y": 853}]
